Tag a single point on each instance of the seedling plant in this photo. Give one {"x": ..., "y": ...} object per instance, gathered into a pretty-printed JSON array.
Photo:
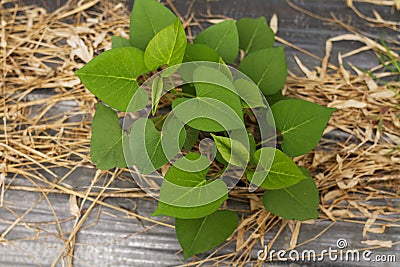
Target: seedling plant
[{"x": 216, "y": 97}]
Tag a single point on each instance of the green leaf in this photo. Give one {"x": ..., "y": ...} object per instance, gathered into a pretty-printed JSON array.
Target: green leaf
[
  {"x": 118, "y": 41},
  {"x": 191, "y": 138},
  {"x": 217, "y": 86},
  {"x": 185, "y": 190},
  {"x": 112, "y": 75},
  {"x": 232, "y": 151},
  {"x": 206, "y": 114},
  {"x": 267, "y": 68},
  {"x": 189, "y": 90},
  {"x": 250, "y": 92},
  {"x": 156, "y": 91},
  {"x": 168, "y": 72},
  {"x": 199, "y": 235},
  {"x": 275, "y": 98},
  {"x": 106, "y": 142},
  {"x": 254, "y": 34},
  {"x": 167, "y": 47},
  {"x": 296, "y": 202},
  {"x": 145, "y": 146},
  {"x": 220, "y": 159},
  {"x": 223, "y": 38},
  {"x": 193, "y": 53},
  {"x": 253, "y": 147},
  {"x": 186, "y": 112},
  {"x": 148, "y": 18},
  {"x": 225, "y": 69},
  {"x": 200, "y": 52},
  {"x": 301, "y": 123},
  {"x": 158, "y": 121},
  {"x": 276, "y": 170}
]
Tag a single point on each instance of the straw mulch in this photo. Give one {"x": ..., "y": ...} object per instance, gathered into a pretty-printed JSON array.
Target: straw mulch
[{"x": 46, "y": 114}]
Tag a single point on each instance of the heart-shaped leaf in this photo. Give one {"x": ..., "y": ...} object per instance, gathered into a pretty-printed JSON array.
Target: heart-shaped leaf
[
  {"x": 232, "y": 151},
  {"x": 254, "y": 34},
  {"x": 267, "y": 68},
  {"x": 223, "y": 38},
  {"x": 167, "y": 47},
  {"x": 148, "y": 18},
  {"x": 144, "y": 147},
  {"x": 206, "y": 114},
  {"x": 185, "y": 192},
  {"x": 106, "y": 142},
  {"x": 111, "y": 76},
  {"x": 301, "y": 123},
  {"x": 296, "y": 202},
  {"x": 118, "y": 41},
  {"x": 252, "y": 148},
  {"x": 276, "y": 170},
  {"x": 199, "y": 235}
]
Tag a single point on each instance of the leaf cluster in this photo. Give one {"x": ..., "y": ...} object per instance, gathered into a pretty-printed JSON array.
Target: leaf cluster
[{"x": 158, "y": 40}]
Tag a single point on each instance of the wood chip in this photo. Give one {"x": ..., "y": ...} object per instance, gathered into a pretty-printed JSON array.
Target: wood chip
[
  {"x": 273, "y": 23},
  {"x": 381, "y": 243},
  {"x": 80, "y": 49},
  {"x": 343, "y": 104},
  {"x": 73, "y": 207}
]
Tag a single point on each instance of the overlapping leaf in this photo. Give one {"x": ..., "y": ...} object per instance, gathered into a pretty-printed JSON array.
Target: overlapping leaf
[
  {"x": 276, "y": 170},
  {"x": 148, "y": 18},
  {"x": 232, "y": 151},
  {"x": 272, "y": 99},
  {"x": 167, "y": 47},
  {"x": 112, "y": 76},
  {"x": 223, "y": 38},
  {"x": 144, "y": 147},
  {"x": 217, "y": 86},
  {"x": 118, "y": 41},
  {"x": 296, "y": 202},
  {"x": 156, "y": 92},
  {"x": 187, "y": 194},
  {"x": 254, "y": 34},
  {"x": 301, "y": 123},
  {"x": 191, "y": 138},
  {"x": 193, "y": 54},
  {"x": 267, "y": 68},
  {"x": 206, "y": 114},
  {"x": 249, "y": 92},
  {"x": 216, "y": 102},
  {"x": 252, "y": 149},
  {"x": 200, "y": 52},
  {"x": 199, "y": 235},
  {"x": 106, "y": 142}
]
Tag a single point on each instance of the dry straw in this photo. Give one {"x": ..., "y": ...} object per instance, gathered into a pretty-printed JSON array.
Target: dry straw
[{"x": 46, "y": 126}]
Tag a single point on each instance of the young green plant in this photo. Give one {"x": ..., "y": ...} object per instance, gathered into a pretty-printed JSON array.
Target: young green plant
[{"x": 158, "y": 41}]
